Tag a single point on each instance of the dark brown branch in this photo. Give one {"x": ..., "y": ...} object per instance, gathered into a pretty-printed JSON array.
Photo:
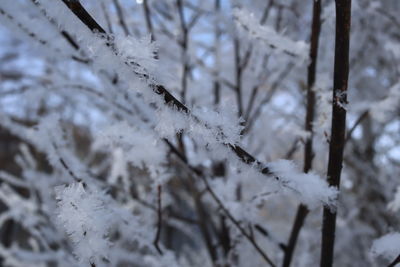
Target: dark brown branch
[
  {"x": 395, "y": 262},
  {"x": 238, "y": 75},
  {"x": 76, "y": 7},
  {"x": 358, "y": 121},
  {"x": 337, "y": 142},
  {"x": 302, "y": 210},
  {"x": 217, "y": 36},
  {"x": 159, "y": 220}
]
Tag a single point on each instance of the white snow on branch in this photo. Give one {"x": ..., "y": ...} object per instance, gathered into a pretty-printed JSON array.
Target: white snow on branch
[
  {"x": 309, "y": 188},
  {"x": 249, "y": 23},
  {"x": 387, "y": 246},
  {"x": 141, "y": 51}
]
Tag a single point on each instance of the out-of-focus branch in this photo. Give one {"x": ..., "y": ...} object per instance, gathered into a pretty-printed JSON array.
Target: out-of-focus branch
[
  {"x": 121, "y": 17},
  {"x": 147, "y": 16}
]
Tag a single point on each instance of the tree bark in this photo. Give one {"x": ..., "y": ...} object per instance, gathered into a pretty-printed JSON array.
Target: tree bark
[
  {"x": 337, "y": 140},
  {"x": 302, "y": 211}
]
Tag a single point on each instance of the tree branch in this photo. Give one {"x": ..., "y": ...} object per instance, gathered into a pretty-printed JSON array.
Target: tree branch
[
  {"x": 336, "y": 145},
  {"x": 302, "y": 210},
  {"x": 169, "y": 99}
]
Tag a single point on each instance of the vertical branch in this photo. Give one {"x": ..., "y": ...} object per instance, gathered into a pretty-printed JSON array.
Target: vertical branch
[
  {"x": 203, "y": 219},
  {"x": 121, "y": 17},
  {"x": 302, "y": 211},
  {"x": 107, "y": 18},
  {"x": 336, "y": 146},
  {"x": 238, "y": 73},
  {"x": 147, "y": 17},
  {"x": 266, "y": 12},
  {"x": 217, "y": 36},
  {"x": 159, "y": 220},
  {"x": 184, "y": 45}
]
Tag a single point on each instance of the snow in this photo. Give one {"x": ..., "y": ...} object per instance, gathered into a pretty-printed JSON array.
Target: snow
[
  {"x": 107, "y": 208},
  {"x": 267, "y": 34},
  {"x": 308, "y": 188},
  {"x": 140, "y": 147},
  {"x": 87, "y": 219},
  {"x": 387, "y": 246}
]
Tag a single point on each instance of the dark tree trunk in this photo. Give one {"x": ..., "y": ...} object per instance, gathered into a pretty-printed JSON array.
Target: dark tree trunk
[{"x": 337, "y": 140}]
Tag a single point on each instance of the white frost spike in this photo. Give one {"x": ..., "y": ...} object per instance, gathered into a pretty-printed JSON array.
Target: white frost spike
[
  {"x": 139, "y": 51},
  {"x": 87, "y": 219},
  {"x": 387, "y": 246},
  {"x": 309, "y": 188},
  {"x": 264, "y": 33}
]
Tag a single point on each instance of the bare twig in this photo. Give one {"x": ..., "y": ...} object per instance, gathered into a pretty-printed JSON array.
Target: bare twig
[
  {"x": 200, "y": 175},
  {"x": 236, "y": 223},
  {"x": 358, "y": 121},
  {"x": 159, "y": 220}
]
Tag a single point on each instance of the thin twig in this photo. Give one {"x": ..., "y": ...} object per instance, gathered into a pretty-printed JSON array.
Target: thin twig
[
  {"x": 199, "y": 174},
  {"x": 159, "y": 220},
  {"x": 236, "y": 223},
  {"x": 358, "y": 121},
  {"x": 121, "y": 18}
]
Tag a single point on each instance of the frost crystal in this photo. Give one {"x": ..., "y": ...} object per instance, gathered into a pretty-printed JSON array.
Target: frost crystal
[
  {"x": 248, "y": 22},
  {"x": 87, "y": 219}
]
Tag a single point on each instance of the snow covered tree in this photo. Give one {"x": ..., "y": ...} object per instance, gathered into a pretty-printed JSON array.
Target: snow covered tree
[{"x": 171, "y": 133}]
